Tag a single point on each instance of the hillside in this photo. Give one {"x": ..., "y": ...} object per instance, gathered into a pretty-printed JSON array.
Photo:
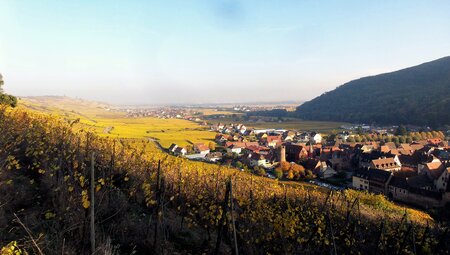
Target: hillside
[
  {"x": 418, "y": 95},
  {"x": 177, "y": 208},
  {"x": 106, "y": 120}
]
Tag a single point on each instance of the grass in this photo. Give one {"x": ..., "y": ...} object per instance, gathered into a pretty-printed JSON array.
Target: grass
[{"x": 97, "y": 118}]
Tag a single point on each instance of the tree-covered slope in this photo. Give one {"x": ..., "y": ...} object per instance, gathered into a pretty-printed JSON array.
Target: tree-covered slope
[{"x": 417, "y": 95}]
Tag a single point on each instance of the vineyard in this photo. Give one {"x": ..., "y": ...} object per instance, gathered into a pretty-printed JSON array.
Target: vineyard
[
  {"x": 149, "y": 202},
  {"x": 93, "y": 117}
]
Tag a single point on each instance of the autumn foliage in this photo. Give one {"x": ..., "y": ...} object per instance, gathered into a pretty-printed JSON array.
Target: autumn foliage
[{"x": 146, "y": 200}]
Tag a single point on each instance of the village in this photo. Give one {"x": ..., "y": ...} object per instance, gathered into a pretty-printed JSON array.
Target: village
[{"x": 415, "y": 172}]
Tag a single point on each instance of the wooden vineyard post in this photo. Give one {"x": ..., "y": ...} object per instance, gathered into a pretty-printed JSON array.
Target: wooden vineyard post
[
  {"x": 236, "y": 251},
  {"x": 92, "y": 204},
  {"x": 222, "y": 218}
]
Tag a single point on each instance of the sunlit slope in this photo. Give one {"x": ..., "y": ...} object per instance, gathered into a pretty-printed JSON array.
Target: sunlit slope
[
  {"x": 282, "y": 218},
  {"x": 106, "y": 121}
]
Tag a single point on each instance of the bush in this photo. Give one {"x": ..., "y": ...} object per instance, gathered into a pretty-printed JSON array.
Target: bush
[{"x": 278, "y": 173}]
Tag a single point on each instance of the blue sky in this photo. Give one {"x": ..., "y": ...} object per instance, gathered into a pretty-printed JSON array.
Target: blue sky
[{"x": 153, "y": 52}]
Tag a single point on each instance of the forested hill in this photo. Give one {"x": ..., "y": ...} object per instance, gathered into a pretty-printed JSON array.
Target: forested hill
[{"x": 417, "y": 95}]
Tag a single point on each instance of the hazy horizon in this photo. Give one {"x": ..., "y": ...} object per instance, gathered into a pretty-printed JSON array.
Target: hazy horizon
[{"x": 193, "y": 52}]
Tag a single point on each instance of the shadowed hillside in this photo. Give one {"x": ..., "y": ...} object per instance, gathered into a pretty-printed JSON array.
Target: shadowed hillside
[{"x": 417, "y": 95}]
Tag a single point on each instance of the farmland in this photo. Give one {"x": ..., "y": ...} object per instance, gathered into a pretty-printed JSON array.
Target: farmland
[{"x": 105, "y": 121}]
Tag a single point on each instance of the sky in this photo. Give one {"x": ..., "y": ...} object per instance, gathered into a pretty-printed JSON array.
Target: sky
[{"x": 218, "y": 51}]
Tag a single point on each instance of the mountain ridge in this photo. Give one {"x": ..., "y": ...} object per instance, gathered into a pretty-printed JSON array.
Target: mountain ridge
[{"x": 418, "y": 95}]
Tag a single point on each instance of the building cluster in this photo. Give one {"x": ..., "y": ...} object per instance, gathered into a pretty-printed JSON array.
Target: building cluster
[
  {"x": 415, "y": 173},
  {"x": 163, "y": 113}
]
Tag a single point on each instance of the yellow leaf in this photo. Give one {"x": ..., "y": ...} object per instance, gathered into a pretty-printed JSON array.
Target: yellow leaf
[{"x": 49, "y": 215}]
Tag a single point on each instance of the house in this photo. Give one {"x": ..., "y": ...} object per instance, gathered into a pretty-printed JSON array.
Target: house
[
  {"x": 398, "y": 188},
  {"x": 234, "y": 149},
  {"x": 201, "y": 148},
  {"x": 242, "y": 129},
  {"x": 420, "y": 182},
  {"x": 388, "y": 164},
  {"x": 312, "y": 164},
  {"x": 405, "y": 146},
  {"x": 367, "y": 148},
  {"x": 295, "y": 152},
  {"x": 401, "y": 189},
  {"x": 213, "y": 156},
  {"x": 221, "y": 138},
  {"x": 343, "y": 135},
  {"x": 272, "y": 141},
  {"x": 180, "y": 151},
  {"x": 324, "y": 171},
  {"x": 373, "y": 180},
  {"x": 390, "y": 145},
  {"x": 360, "y": 179},
  {"x": 315, "y": 138},
  {"x": 437, "y": 173},
  {"x": 379, "y": 180},
  {"x": 304, "y": 137},
  {"x": 172, "y": 147},
  {"x": 257, "y": 159}
]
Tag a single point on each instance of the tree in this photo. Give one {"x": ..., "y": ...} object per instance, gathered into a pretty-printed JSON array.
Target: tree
[
  {"x": 212, "y": 146},
  {"x": 290, "y": 175},
  {"x": 401, "y": 130},
  {"x": 284, "y": 166},
  {"x": 5, "y": 98},
  {"x": 395, "y": 139},
  {"x": 359, "y": 130},
  {"x": 297, "y": 170},
  {"x": 8, "y": 100},
  {"x": 409, "y": 139}
]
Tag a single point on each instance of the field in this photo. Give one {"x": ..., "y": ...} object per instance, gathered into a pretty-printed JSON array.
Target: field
[
  {"x": 291, "y": 123},
  {"x": 209, "y": 111},
  {"x": 105, "y": 121}
]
